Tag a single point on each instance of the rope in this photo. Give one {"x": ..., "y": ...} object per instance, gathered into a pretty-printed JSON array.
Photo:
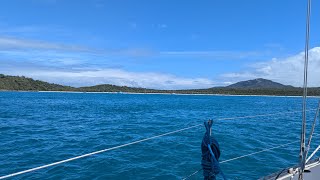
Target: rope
[
  {"x": 131, "y": 143},
  {"x": 210, "y": 154}
]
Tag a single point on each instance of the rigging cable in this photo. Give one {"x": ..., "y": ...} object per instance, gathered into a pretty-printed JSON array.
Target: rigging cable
[
  {"x": 302, "y": 156},
  {"x": 312, "y": 131}
]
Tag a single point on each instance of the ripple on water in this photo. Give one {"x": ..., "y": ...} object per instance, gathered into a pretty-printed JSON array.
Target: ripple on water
[{"x": 41, "y": 128}]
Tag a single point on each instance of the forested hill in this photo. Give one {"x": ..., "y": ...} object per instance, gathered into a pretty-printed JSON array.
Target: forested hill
[
  {"x": 259, "y": 83},
  {"x": 21, "y": 83},
  {"x": 251, "y": 87},
  {"x": 113, "y": 88}
]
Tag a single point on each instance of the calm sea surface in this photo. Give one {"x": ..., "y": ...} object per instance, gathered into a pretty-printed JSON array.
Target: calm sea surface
[{"x": 41, "y": 128}]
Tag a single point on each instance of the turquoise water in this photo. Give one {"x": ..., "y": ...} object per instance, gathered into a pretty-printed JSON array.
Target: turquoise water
[{"x": 41, "y": 128}]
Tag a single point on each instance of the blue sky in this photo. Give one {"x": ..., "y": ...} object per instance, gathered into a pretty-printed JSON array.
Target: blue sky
[{"x": 161, "y": 44}]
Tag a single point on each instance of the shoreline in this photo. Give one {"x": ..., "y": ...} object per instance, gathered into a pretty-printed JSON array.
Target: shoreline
[{"x": 157, "y": 93}]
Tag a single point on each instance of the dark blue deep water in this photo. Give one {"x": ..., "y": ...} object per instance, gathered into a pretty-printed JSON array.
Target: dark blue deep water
[{"x": 41, "y": 128}]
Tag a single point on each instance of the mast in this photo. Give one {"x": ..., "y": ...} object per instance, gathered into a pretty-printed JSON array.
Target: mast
[{"x": 303, "y": 155}]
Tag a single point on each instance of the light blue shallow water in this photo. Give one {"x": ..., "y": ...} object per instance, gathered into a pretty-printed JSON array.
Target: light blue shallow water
[{"x": 41, "y": 128}]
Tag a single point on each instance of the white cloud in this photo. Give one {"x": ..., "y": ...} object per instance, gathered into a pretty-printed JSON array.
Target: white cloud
[
  {"x": 287, "y": 70},
  {"x": 162, "y": 26},
  {"x": 133, "y": 25},
  {"x": 11, "y": 43},
  {"x": 73, "y": 66},
  {"x": 18, "y": 45},
  {"x": 89, "y": 77},
  {"x": 224, "y": 55}
]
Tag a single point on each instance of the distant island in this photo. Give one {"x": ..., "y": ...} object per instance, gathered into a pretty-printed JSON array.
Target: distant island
[{"x": 251, "y": 87}]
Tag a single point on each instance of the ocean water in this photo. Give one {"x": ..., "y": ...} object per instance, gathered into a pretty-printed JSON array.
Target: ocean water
[{"x": 41, "y": 128}]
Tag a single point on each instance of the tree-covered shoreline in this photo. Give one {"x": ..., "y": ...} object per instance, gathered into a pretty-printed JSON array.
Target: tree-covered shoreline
[{"x": 21, "y": 83}]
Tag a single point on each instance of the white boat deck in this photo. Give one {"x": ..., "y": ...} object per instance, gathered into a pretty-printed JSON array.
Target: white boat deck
[{"x": 312, "y": 172}]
